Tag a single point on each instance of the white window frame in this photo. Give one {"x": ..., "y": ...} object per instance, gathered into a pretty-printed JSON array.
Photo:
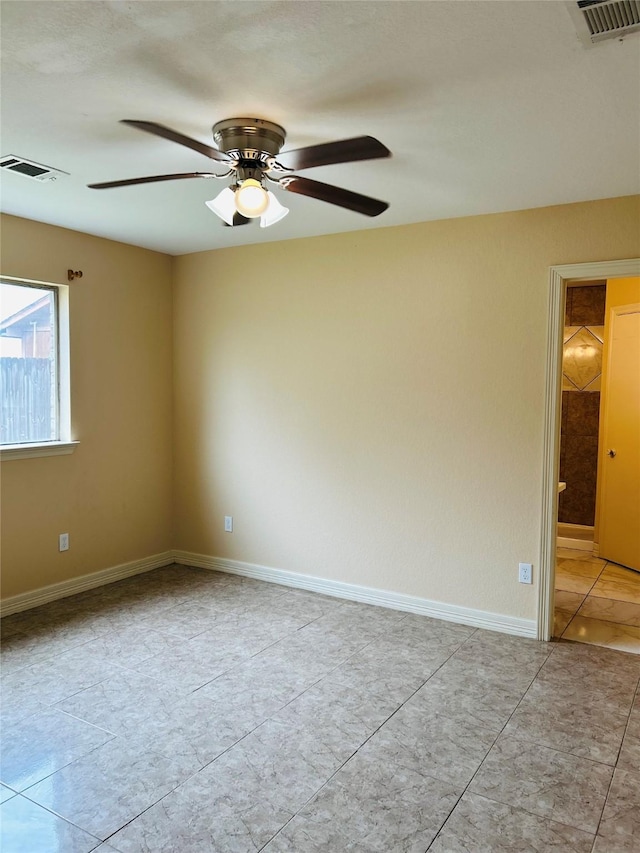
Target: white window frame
[{"x": 65, "y": 444}]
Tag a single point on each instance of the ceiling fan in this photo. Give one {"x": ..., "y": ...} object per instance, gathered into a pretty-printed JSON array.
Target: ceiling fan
[{"x": 250, "y": 148}]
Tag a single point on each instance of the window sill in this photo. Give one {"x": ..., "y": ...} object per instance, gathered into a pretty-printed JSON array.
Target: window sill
[{"x": 29, "y": 451}]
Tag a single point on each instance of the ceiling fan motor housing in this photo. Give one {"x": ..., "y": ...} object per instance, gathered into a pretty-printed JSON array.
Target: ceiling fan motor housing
[{"x": 249, "y": 138}]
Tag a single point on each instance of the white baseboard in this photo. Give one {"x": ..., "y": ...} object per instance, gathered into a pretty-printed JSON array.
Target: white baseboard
[
  {"x": 365, "y": 594},
  {"x": 27, "y": 600},
  {"x": 339, "y": 589}
]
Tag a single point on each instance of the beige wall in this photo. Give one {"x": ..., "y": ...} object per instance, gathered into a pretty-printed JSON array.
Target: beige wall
[
  {"x": 113, "y": 495},
  {"x": 369, "y": 406}
]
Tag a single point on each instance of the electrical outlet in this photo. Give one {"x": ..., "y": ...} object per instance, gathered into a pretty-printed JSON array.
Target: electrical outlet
[
  {"x": 63, "y": 542},
  {"x": 525, "y": 572},
  {"x": 228, "y": 524}
]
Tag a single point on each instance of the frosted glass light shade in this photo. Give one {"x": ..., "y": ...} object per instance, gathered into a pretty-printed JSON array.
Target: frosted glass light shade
[
  {"x": 274, "y": 212},
  {"x": 224, "y": 205},
  {"x": 251, "y": 199}
]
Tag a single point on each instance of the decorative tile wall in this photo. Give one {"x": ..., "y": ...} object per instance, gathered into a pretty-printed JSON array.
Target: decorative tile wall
[
  {"x": 582, "y": 358},
  {"x": 581, "y": 378}
]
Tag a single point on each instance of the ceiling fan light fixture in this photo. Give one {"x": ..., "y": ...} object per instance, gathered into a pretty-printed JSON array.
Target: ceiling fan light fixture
[
  {"x": 251, "y": 150},
  {"x": 274, "y": 212},
  {"x": 224, "y": 205},
  {"x": 251, "y": 199}
]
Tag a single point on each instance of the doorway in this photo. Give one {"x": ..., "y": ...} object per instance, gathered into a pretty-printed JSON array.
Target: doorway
[{"x": 560, "y": 276}]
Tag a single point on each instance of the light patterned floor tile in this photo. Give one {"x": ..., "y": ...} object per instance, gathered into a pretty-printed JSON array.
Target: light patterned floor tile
[
  {"x": 623, "y": 844},
  {"x": 460, "y": 691},
  {"x": 625, "y": 638},
  {"x": 416, "y": 738},
  {"x": 545, "y": 782},
  {"x": 610, "y": 610},
  {"x": 106, "y": 789},
  {"x": 574, "y": 576},
  {"x": 330, "y": 707},
  {"x": 561, "y": 619},
  {"x": 302, "y": 736},
  {"x": 606, "y": 593},
  {"x": 27, "y": 828},
  {"x": 252, "y": 789},
  {"x": 499, "y": 655},
  {"x": 20, "y": 651},
  {"x": 618, "y": 583},
  {"x": 587, "y": 565},
  {"x": 630, "y": 752},
  {"x": 613, "y": 663},
  {"x": 569, "y": 601},
  {"x": 132, "y": 645},
  {"x": 224, "y": 816},
  {"x": 480, "y": 825},
  {"x": 40, "y": 745},
  {"x": 621, "y": 817},
  {"x": 194, "y": 731},
  {"x": 259, "y": 687},
  {"x": 186, "y": 667},
  {"x": 584, "y": 726},
  {"x": 122, "y": 704},
  {"x": 56, "y": 679},
  {"x": 368, "y": 807},
  {"x": 291, "y": 763}
]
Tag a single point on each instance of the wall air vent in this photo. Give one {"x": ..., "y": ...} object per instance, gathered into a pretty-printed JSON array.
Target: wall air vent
[
  {"x": 29, "y": 169},
  {"x": 597, "y": 20}
]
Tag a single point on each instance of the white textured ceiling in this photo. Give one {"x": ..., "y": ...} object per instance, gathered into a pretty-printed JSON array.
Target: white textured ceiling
[{"x": 486, "y": 106}]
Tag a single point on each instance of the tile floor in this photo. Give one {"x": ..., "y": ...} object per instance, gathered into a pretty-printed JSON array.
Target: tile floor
[
  {"x": 184, "y": 711},
  {"x": 596, "y": 602}
]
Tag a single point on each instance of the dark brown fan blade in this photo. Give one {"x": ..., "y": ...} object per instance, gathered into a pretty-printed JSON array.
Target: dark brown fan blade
[
  {"x": 344, "y": 151},
  {"x": 334, "y": 195},
  {"x": 180, "y": 138},
  {"x": 238, "y": 219},
  {"x": 152, "y": 179}
]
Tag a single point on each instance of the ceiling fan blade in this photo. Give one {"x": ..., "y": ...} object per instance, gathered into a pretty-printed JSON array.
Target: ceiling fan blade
[
  {"x": 180, "y": 138},
  {"x": 152, "y": 179},
  {"x": 334, "y": 195},
  {"x": 238, "y": 219},
  {"x": 344, "y": 151}
]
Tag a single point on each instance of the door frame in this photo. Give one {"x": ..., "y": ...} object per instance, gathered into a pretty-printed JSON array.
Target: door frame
[{"x": 559, "y": 276}]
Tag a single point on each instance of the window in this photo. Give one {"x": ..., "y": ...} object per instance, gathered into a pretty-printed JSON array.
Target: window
[{"x": 34, "y": 398}]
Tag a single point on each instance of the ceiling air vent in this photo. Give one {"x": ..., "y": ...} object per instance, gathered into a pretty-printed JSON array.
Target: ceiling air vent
[
  {"x": 597, "y": 20},
  {"x": 29, "y": 169}
]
